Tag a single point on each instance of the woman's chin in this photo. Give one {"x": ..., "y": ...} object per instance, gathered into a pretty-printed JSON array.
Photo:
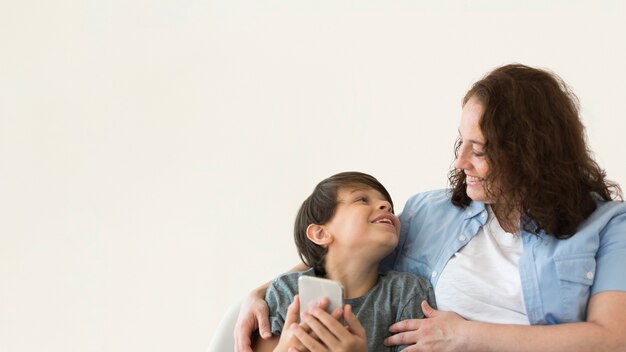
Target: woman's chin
[{"x": 476, "y": 194}]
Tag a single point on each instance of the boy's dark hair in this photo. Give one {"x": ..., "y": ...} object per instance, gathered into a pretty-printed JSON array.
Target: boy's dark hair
[{"x": 320, "y": 207}]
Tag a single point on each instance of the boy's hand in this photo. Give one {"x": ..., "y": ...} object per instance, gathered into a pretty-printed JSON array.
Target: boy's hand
[
  {"x": 330, "y": 334},
  {"x": 288, "y": 341}
]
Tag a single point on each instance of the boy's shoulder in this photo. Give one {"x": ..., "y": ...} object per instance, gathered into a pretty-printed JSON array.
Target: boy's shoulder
[
  {"x": 405, "y": 284},
  {"x": 404, "y": 278},
  {"x": 290, "y": 279},
  {"x": 408, "y": 288}
]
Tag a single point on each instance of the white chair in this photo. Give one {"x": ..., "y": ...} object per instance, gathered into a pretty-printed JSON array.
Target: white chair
[{"x": 223, "y": 340}]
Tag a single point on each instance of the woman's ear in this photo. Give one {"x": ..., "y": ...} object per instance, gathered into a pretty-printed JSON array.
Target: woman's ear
[{"x": 318, "y": 235}]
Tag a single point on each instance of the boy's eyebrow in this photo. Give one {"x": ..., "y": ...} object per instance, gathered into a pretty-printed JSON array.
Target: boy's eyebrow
[
  {"x": 365, "y": 188},
  {"x": 358, "y": 189}
]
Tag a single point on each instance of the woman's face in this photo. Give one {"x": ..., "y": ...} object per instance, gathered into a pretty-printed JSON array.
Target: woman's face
[{"x": 471, "y": 153}]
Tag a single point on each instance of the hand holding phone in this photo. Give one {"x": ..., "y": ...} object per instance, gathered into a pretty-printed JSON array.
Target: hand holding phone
[{"x": 313, "y": 289}]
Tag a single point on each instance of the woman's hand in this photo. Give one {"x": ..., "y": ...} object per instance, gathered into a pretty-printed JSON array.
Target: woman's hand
[
  {"x": 253, "y": 314},
  {"x": 437, "y": 332},
  {"x": 328, "y": 334}
]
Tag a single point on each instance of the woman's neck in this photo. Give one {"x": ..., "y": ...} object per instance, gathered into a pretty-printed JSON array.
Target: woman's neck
[{"x": 508, "y": 222}]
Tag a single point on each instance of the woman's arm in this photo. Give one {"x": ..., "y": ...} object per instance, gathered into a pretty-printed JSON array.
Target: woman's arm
[
  {"x": 253, "y": 315},
  {"x": 604, "y": 330},
  {"x": 266, "y": 345},
  {"x": 286, "y": 339}
]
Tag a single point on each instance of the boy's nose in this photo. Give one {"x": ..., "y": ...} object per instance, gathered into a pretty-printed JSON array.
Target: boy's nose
[{"x": 385, "y": 206}]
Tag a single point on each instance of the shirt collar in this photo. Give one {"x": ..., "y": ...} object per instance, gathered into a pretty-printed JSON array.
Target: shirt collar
[{"x": 476, "y": 210}]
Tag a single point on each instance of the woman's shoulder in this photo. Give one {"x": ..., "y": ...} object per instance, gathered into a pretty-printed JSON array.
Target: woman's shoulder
[
  {"x": 600, "y": 233},
  {"x": 607, "y": 215},
  {"x": 434, "y": 197},
  {"x": 614, "y": 207},
  {"x": 441, "y": 193},
  {"x": 431, "y": 202}
]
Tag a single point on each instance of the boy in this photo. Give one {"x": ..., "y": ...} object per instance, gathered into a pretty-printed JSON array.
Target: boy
[{"x": 342, "y": 231}]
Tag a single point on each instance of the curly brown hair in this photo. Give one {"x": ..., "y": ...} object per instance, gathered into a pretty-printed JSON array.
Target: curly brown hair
[
  {"x": 320, "y": 207},
  {"x": 541, "y": 166}
]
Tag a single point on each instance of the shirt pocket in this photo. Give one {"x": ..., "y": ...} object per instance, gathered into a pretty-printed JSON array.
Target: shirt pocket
[{"x": 576, "y": 274}]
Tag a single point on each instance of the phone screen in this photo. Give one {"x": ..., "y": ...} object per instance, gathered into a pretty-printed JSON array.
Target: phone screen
[{"x": 313, "y": 289}]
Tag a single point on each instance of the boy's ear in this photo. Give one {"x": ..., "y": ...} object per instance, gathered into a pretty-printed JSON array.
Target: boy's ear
[{"x": 318, "y": 235}]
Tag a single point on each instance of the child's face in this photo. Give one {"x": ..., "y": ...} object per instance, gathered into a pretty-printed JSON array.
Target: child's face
[{"x": 364, "y": 222}]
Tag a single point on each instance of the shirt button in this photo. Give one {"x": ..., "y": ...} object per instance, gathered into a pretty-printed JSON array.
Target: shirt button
[
  {"x": 483, "y": 214},
  {"x": 590, "y": 275},
  {"x": 433, "y": 274},
  {"x": 462, "y": 238}
]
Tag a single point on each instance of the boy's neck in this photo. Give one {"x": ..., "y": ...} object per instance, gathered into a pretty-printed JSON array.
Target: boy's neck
[{"x": 356, "y": 279}]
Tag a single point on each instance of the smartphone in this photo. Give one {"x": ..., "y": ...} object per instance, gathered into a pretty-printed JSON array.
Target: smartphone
[{"x": 313, "y": 289}]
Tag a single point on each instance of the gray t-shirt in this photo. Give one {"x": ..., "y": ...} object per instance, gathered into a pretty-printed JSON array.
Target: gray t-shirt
[{"x": 397, "y": 296}]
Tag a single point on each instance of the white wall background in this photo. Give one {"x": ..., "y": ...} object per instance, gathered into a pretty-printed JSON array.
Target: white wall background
[{"x": 153, "y": 153}]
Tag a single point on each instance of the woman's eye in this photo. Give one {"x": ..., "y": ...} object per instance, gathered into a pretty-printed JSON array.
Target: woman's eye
[
  {"x": 362, "y": 199},
  {"x": 478, "y": 154}
]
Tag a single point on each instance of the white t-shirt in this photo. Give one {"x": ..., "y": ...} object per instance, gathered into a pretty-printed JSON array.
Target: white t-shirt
[{"x": 481, "y": 281}]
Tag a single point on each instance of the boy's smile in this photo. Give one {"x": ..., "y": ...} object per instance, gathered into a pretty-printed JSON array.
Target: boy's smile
[{"x": 387, "y": 219}]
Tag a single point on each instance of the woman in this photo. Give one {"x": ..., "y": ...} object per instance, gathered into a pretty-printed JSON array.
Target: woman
[{"x": 527, "y": 248}]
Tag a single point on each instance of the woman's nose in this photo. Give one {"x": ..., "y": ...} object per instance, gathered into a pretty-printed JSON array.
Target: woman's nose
[{"x": 460, "y": 162}]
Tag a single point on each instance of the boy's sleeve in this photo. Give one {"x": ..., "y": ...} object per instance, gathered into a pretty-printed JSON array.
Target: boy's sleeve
[
  {"x": 278, "y": 296},
  {"x": 422, "y": 290},
  {"x": 414, "y": 290}
]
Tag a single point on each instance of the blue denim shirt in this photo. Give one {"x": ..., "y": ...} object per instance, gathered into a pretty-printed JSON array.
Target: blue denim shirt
[{"x": 558, "y": 276}]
